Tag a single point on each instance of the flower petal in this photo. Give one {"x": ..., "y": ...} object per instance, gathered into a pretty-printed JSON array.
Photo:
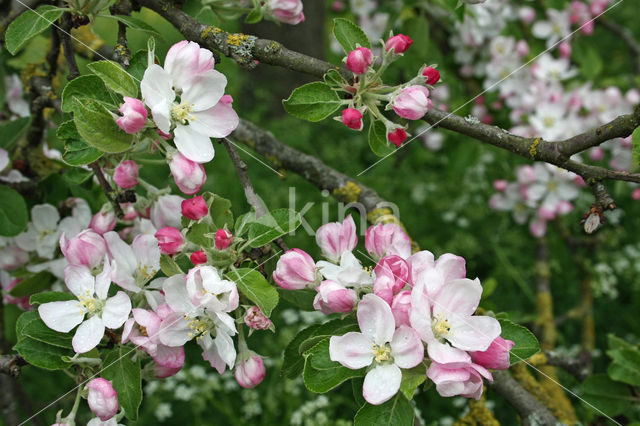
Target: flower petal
[
  {"x": 216, "y": 122},
  {"x": 193, "y": 144},
  {"x": 353, "y": 350},
  {"x": 205, "y": 90},
  {"x": 446, "y": 354},
  {"x": 79, "y": 280},
  {"x": 406, "y": 347},
  {"x": 376, "y": 319},
  {"x": 175, "y": 330},
  {"x": 45, "y": 217},
  {"x": 458, "y": 298},
  {"x": 474, "y": 333},
  {"x": 61, "y": 316},
  {"x": 88, "y": 335},
  {"x": 157, "y": 92},
  {"x": 116, "y": 310},
  {"x": 175, "y": 293},
  {"x": 381, "y": 383}
]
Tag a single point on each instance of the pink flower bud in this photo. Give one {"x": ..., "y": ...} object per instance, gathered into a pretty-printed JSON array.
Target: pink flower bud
[
  {"x": 335, "y": 238},
  {"x": 188, "y": 175},
  {"x": 387, "y": 239},
  {"x": 103, "y": 222},
  {"x": 598, "y": 7},
  {"x": 250, "y": 372},
  {"x": 496, "y": 357},
  {"x": 254, "y": 318},
  {"x": 134, "y": 115},
  {"x": 399, "y": 43},
  {"x": 538, "y": 228},
  {"x": 352, "y": 118},
  {"x": 565, "y": 49},
  {"x": 295, "y": 270},
  {"x": 401, "y": 307},
  {"x": 564, "y": 207},
  {"x": 636, "y": 194},
  {"x": 170, "y": 240},
  {"x": 162, "y": 372},
  {"x": 412, "y": 102},
  {"x": 579, "y": 181},
  {"x": 198, "y": 257},
  {"x": 195, "y": 208},
  {"x": 359, "y": 60},
  {"x": 596, "y": 154},
  {"x": 527, "y": 14},
  {"x": 337, "y": 6},
  {"x": 226, "y": 99},
  {"x": 87, "y": 248},
  {"x": 587, "y": 27},
  {"x": 431, "y": 75},
  {"x": 102, "y": 398},
  {"x": 22, "y": 302},
  {"x": 397, "y": 267},
  {"x": 397, "y": 137},
  {"x": 334, "y": 298},
  {"x": 126, "y": 174},
  {"x": 522, "y": 48},
  {"x": 500, "y": 185},
  {"x": 224, "y": 239}
]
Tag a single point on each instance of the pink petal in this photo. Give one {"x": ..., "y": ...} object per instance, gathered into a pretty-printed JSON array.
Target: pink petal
[
  {"x": 376, "y": 319},
  {"x": 406, "y": 347},
  {"x": 459, "y": 298},
  {"x": 353, "y": 350}
]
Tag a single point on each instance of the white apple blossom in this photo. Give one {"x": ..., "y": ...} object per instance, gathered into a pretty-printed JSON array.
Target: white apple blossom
[
  {"x": 349, "y": 272},
  {"x": 133, "y": 266}
]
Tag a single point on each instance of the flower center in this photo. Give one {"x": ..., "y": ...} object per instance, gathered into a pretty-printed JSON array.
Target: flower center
[
  {"x": 46, "y": 232},
  {"x": 552, "y": 186},
  {"x": 381, "y": 352},
  {"x": 199, "y": 327},
  {"x": 182, "y": 112},
  {"x": 440, "y": 327},
  {"x": 90, "y": 304},
  {"x": 143, "y": 330},
  {"x": 145, "y": 273},
  {"x": 549, "y": 121}
]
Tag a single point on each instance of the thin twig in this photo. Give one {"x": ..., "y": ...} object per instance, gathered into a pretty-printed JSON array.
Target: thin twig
[
  {"x": 123, "y": 53},
  {"x": 66, "y": 25},
  {"x": 108, "y": 191}
]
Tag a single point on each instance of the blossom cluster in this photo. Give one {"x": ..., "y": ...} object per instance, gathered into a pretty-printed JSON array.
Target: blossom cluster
[{"x": 405, "y": 303}]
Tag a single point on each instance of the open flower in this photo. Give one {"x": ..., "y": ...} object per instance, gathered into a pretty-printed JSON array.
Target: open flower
[
  {"x": 100, "y": 312},
  {"x": 184, "y": 98},
  {"x": 133, "y": 265},
  {"x": 380, "y": 345},
  {"x": 335, "y": 238}
]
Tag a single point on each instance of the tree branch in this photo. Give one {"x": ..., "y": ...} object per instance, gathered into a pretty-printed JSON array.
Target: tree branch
[
  {"x": 531, "y": 411},
  {"x": 108, "y": 191},
  {"x": 66, "y": 24},
  {"x": 10, "y": 365}
]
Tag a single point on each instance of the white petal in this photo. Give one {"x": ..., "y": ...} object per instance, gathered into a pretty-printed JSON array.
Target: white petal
[
  {"x": 205, "y": 90},
  {"x": 474, "y": 333},
  {"x": 157, "y": 92},
  {"x": 353, "y": 350},
  {"x": 103, "y": 280},
  {"x": 216, "y": 122},
  {"x": 226, "y": 350},
  {"x": 61, "y": 316},
  {"x": 174, "y": 331},
  {"x": 45, "y": 217},
  {"x": 88, "y": 335},
  {"x": 27, "y": 240},
  {"x": 116, "y": 310},
  {"x": 147, "y": 253},
  {"x": 381, "y": 383},
  {"x": 122, "y": 254},
  {"x": 79, "y": 280},
  {"x": 406, "y": 348},
  {"x": 193, "y": 145},
  {"x": 175, "y": 293},
  {"x": 459, "y": 298},
  {"x": 443, "y": 353}
]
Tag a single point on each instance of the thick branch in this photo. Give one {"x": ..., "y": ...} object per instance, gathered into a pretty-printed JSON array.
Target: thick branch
[
  {"x": 531, "y": 411},
  {"x": 10, "y": 365},
  {"x": 244, "y": 49}
]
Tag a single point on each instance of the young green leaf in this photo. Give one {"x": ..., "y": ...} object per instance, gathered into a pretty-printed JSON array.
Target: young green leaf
[
  {"x": 125, "y": 376},
  {"x": 313, "y": 102},
  {"x": 395, "y": 412},
  {"x": 635, "y": 140},
  {"x": 115, "y": 77},
  {"x": 349, "y": 35},
  {"x": 12, "y": 131},
  {"x": 378, "y": 139},
  {"x": 526, "y": 343},
  {"x": 611, "y": 397},
  {"x": 13, "y": 212},
  {"x": 29, "y": 24},
  {"x": 273, "y": 225},
  {"x": 98, "y": 128},
  {"x": 35, "y": 283},
  {"x": 85, "y": 87},
  {"x": 327, "y": 378},
  {"x": 252, "y": 284}
]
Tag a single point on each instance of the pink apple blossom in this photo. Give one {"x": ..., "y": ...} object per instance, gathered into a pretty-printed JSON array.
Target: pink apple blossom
[
  {"x": 435, "y": 275},
  {"x": 187, "y": 174},
  {"x": 134, "y": 115},
  {"x": 496, "y": 357},
  {"x": 133, "y": 266},
  {"x": 102, "y": 222},
  {"x": 359, "y": 59},
  {"x": 102, "y": 398},
  {"x": 352, "y": 118},
  {"x": 198, "y": 257},
  {"x": 380, "y": 345},
  {"x": 335, "y": 238},
  {"x": 223, "y": 239},
  {"x": 167, "y": 211},
  {"x": 126, "y": 174},
  {"x": 255, "y": 319},
  {"x": 431, "y": 75},
  {"x": 287, "y": 11},
  {"x": 399, "y": 43},
  {"x": 170, "y": 240},
  {"x": 195, "y": 208},
  {"x": 250, "y": 370},
  {"x": 333, "y": 297},
  {"x": 412, "y": 102},
  {"x": 454, "y": 379},
  {"x": 401, "y": 308},
  {"x": 397, "y": 136},
  {"x": 87, "y": 248},
  {"x": 387, "y": 239},
  {"x": 295, "y": 270}
]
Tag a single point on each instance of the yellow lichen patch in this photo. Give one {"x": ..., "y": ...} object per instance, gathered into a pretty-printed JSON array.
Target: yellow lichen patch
[
  {"x": 348, "y": 193},
  {"x": 208, "y": 30},
  {"x": 533, "y": 149},
  {"x": 87, "y": 42},
  {"x": 478, "y": 415},
  {"x": 237, "y": 39},
  {"x": 538, "y": 359}
]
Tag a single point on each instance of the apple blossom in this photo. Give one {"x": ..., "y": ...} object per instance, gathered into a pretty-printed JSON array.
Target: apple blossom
[
  {"x": 496, "y": 357},
  {"x": 198, "y": 257},
  {"x": 87, "y": 248},
  {"x": 397, "y": 137},
  {"x": 208, "y": 290},
  {"x": 399, "y": 43},
  {"x": 102, "y": 222},
  {"x": 387, "y": 239},
  {"x": 134, "y": 115},
  {"x": 433, "y": 274},
  {"x": 133, "y": 266},
  {"x": 126, "y": 174},
  {"x": 431, "y": 75},
  {"x": 94, "y": 312},
  {"x": 194, "y": 208},
  {"x": 170, "y": 240},
  {"x": 332, "y": 297},
  {"x": 335, "y": 238},
  {"x": 255, "y": 319},
  {"x": 295, "y": 270},
  {"x": 223, "y": 239},
  {"x": 287, "y": 11},
  {"x": 250, "y": 370},
  {"x": 458, "y": 379},
  {"x": 378, "y": 344},
  {"x": 102, "y": 398},
  {"x": 352, "y": 118},
  {"x": 349, "y": 272},
  {"x": 166, "y": 211},
  {"x": 14, "y": 96},
  {"x": 198, "y": 116},
  {"x": 359, "y": 59},
  {"x": 7, "y": 283},
  {"x": 188, "y": 175},
  {"x": 401, "y": 308},
  {"x": 412, "y": 102}
]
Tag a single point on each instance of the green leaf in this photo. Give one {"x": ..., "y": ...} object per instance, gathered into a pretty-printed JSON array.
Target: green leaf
[
  {"x": 625, "y": 367},
  {"x": 138, "y": 65},
  {"x": 115, "y": 77},
  {"x": 169, "y": 266},
  {"x": 252, "y": 284},
  {"x": 31, "y": 325},
  {"x": 395, "y": 412},
  {"x": 41, "y": 354},
  {"x": 635, "y": 140},
  {"x": 412, "y": 378},
  {"x": 12, "y": 131},
  {"x": 618, "y": 343},
  {"x": 34, "y": 284},
  {"x": 378, "y": 139},
  {"x": 126, "y": 379},
  {"x": 526, "y": 343},
  {"x": 29, "y": 24},
  {"x": 302, "y": 299},
  {"x": 273, "y": 225},
  {"x": 254, "y": 16},
  {"x": 349, "y": 35},
  {"x": 86, "y": 87},
  {"x": 98, "y": 128},
  {"x": 50, "y": 296},
  {"x": 589, "y": 59},
  {"x": 333, "y": 78},
  {"x": 135, "y": 23},
  {"x": 243, "y": 222},
  {"x": 313, "y": 102},
  {"x": 219, "y": 210},
  {"x": 613, "y": 398},
  {"x": 13, "y": 212},
  {"x": 77, "y": 152},
  {"x": 77, "y": 176},
  {"x": 293, "y": 362},
  {"x": 322, "y": 381},
  {"x": 197, "y": 234}
]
